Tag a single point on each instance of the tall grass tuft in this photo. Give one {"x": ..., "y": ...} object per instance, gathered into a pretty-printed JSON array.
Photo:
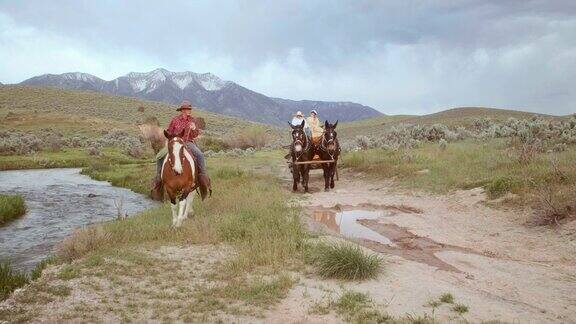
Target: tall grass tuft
[
  {"x": 10, "y": 280},
  {"x": 11, "y": 207},
  {"x": 37, "y": 272},
  {"x": 499, "y": 187},
  {"x": 344, "y": 261},
  {"x": 82, "y": 242}
]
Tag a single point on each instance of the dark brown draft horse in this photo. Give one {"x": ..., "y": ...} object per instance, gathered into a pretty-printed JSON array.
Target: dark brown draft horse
[
  {"x": 300, "y": 151},
  {"x": 179, "y": 178},
  {"x": 329, "y": 149}
]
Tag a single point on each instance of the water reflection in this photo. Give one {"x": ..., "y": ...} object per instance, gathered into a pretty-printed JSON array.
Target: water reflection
[{"x": 346, "y": 224}]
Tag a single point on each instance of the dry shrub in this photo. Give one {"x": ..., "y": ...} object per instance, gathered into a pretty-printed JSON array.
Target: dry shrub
[
  {"x": 54, "y": 143},
  {"x": 135, "y": 151},
  {"x": 553, "y": 206},
  {"x": 141, "y": 108},
  {"x": 554, "y": 203},
  {"x": 82, "y": 242},
  {"x": 254, "y": 137},
  {"x": 526, "y": 150},
  {"x": 93, "y": 151},
  {"x": 200, "y": 123},
  {"x": 209, "y": 143},
  {"x": 153, "y": 134}
]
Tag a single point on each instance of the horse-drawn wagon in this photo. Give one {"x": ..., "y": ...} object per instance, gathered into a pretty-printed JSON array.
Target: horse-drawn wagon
[
  {"x": 309, "y": 154},
  {"x": 315, "y": 164}
]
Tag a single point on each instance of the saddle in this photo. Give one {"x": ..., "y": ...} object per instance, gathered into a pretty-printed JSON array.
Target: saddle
[{"x": 203, "y": 185}]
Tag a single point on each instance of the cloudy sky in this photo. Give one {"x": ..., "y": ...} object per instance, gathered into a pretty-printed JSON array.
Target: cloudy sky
[{"x": 397, "y": 56}]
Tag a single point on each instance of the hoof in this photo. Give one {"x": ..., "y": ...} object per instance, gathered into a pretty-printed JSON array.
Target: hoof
[{"x": 326, "y": 189}]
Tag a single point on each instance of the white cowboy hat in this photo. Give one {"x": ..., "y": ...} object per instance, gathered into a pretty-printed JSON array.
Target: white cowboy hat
[
  {"x": 313, "y": 111},
  {"x": 299, "y": 114}
]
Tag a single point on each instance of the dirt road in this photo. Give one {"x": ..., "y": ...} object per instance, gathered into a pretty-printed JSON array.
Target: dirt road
[{"x": 486, "y": 258}]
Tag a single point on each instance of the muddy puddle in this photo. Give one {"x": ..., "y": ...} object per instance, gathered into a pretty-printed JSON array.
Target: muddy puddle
[
  {"x": 346, "y": 224},
  {"x": 366, "y": 226}
]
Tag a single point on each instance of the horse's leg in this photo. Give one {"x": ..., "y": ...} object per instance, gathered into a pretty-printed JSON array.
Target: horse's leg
[
  {"x": 326, "y": 174},
  {"x": 181, "y": 210},
  {"x": 332, "y": 171},
  {"x": 174, "y": 208},
  {"x": 306, "y": 178},
  {"x": 189, "y": 208},
  {"x": 296, "y": 177}
]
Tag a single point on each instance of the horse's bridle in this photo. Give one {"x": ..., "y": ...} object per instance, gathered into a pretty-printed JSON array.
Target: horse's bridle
[
  {"x": 305, "y": 147},
  {"x": 324, "y": 143}
]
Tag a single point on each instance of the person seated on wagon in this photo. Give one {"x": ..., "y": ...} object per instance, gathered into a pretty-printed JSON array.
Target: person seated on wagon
[
  {"x": 297, "y": 120},
  {"x": 188, "y": 123},
  {"x": 315, "y": 126}
]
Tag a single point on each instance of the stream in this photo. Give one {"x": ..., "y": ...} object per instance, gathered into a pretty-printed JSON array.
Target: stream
[{"x": 57, "y": 202}]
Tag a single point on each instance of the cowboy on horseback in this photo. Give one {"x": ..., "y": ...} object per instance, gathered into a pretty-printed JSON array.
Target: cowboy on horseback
[{"x": 188, "y": 126}]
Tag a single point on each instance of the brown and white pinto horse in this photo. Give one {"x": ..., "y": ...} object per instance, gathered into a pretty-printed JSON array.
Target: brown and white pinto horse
[{"x": 179, "y": 178}]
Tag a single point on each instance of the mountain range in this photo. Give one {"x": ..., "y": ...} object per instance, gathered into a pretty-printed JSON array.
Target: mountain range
[{"x": 205, "y": 91}]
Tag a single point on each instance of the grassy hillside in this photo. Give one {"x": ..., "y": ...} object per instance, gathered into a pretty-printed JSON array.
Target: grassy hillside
[
  {"x": 452, "y": 117},
  {"x": 89, "y": 113}
]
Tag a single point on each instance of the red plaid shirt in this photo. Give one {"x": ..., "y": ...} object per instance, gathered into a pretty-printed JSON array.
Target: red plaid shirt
[{"x": 183, "y": 122}]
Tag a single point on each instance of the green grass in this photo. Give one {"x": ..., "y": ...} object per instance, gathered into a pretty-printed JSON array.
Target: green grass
[
  {"x": 344, "y": 261},
  {"x": 467, "y": 164},
  {"x": 358, "y": 307},
  {"x": 247, "y": 211},
  {"x": 10, "y": 280},
  {"x": 498, "y": 187},
  {"x": 258, "y": 292},
  {"x": 37, "y": 271},
  {"x": 11, "y": 207},
  {"x": 460, "y": 308},
  {"x": 447, "y": 298},
  {"x": 67, "y": 158}
]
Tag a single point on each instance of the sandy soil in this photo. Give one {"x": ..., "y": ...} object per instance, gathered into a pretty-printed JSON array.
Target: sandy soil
[{"x": 487, "y": 258}]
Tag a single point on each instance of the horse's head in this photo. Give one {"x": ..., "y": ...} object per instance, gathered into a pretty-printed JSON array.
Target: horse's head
[
  {"x": 175, "y": 150},
  {"x": 298, "y": 137},
  {"x": 329, "y": 137}
]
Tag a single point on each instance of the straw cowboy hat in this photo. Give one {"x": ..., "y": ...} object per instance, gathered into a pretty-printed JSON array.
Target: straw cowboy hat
[
  {"x": 185, "y": 105},
  {"x": 299, "y": 114}
]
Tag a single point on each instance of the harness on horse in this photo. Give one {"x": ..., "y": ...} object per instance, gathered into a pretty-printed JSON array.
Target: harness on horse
[
  {"x": 304, "y": 150},
  {"x": 324, "y": 143}
]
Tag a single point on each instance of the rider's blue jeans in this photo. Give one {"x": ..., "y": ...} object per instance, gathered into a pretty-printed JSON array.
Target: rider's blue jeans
[{"x": 197, "y": 154}]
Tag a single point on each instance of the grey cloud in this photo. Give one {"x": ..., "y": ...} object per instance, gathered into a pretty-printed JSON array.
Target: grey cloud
[{"x": 399, "y": 56}]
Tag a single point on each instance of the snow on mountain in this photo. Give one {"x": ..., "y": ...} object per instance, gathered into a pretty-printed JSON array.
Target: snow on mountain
[
  {"x": 182, "y": 80},
  {"x": 206, "y": 91},
  {"x": 210, "y": 82},
  {"x": 81, "y": 77}
]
